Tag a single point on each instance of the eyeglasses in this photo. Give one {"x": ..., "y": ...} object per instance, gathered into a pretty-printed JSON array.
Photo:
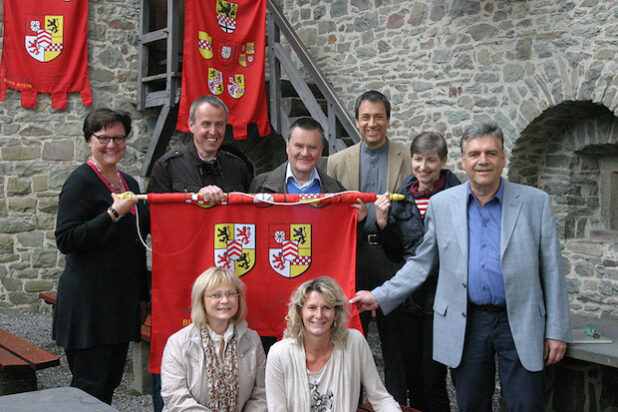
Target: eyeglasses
[
  {"x": 219, "y": 296},
  {"x": 105, "y": 139}
]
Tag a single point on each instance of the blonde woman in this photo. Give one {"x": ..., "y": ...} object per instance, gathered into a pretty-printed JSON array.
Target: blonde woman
[
  {"x": 216, "y": 363},
  {"x": 320, "y": 364}
]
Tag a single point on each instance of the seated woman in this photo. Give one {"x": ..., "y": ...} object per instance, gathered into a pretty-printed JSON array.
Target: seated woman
[
  {"x": 216, "y": 363},
  {"x": 320, "y": 364}
]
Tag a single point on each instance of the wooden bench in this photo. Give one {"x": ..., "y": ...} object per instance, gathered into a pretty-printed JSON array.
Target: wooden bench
[
  {"x": 142, "y": 381},
  {"x": 19, "y": 359},
  {"x": 50, "y": 297}
]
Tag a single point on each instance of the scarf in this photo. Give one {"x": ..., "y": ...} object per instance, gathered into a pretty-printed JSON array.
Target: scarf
[
  {"x": 420, "y": 194},
  {"x": 222, "y": 377}
]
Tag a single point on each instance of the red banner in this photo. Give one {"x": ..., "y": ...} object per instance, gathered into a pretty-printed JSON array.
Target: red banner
[
  {"x": 45, "y": 50},
  {"x": 273, "y": 248},
  {"x": 224, "y": 49}
]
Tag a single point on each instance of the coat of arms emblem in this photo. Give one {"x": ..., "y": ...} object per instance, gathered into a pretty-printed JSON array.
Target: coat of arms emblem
[
  {"x": 289, "y": 251},
  {"x": 204, "y": 44},
  {"x": 247, "y": 54},
  {"x": 236, "y": 86},
  {"x": 225, "y": 52},
  {"x": 235, "y": 247},
  {"x": 44, "y": 37},
  {"x": 226, "y": 15},
  {"x": 215, "y": 81}
]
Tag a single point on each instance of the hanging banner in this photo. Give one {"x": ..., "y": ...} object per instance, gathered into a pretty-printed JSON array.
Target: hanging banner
[
  {"x": 223, "y": 55},
  {"x": 45, "y": 50},
  {"x": 272, "y": 248}
]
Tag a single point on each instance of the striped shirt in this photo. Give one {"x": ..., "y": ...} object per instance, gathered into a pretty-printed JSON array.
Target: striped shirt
[{"x": 422, "y": 203}]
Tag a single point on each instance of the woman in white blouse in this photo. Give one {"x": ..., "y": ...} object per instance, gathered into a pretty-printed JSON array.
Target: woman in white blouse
[
  {"x": 216, "y": 363},
  {"x": 320, "y": 364}
]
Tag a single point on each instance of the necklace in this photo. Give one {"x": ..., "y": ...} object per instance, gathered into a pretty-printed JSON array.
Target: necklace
[{"x": 116, "y": 188}]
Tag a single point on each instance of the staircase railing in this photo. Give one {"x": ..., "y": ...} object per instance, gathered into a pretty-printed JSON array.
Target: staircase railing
[{"x": 336, "y": 116}]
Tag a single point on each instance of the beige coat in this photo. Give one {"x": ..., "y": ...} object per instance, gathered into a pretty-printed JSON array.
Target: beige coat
[
  {"x": 345, "y": 166},
  {"x": 184, "y": 385}
]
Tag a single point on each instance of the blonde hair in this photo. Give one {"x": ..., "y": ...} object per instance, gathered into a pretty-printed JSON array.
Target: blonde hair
[
  {"x": 332, "y": 294},
  {"x": 209, "y": 280}
]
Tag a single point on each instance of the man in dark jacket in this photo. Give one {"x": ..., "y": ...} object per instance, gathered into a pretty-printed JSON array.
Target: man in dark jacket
[
  {"x": 300, "y": 173},
  {"x": 200, "y": 167}
]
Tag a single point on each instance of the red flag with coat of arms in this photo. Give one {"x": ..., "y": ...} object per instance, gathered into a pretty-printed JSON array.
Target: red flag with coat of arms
[
  {"x": 223, "y": 56},
  {"x": 45, "y": 50},
  {"x": 272, "y": 248}
]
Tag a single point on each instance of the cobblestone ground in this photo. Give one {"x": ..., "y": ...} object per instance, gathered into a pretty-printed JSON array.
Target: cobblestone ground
[
  {"x": 36, "y": 328},
  {"x": 374, "y": 342}
]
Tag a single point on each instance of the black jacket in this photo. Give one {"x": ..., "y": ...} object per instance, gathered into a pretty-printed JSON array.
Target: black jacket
[
  {"x": 183, "y": 171},
  {"x": 402, "y": 235}
]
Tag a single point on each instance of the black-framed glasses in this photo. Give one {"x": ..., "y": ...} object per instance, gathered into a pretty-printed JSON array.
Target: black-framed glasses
[{"x": 104, "y": 139}]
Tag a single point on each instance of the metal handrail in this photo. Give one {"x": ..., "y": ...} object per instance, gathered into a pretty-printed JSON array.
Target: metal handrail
[{"x": 279, "y": 57}]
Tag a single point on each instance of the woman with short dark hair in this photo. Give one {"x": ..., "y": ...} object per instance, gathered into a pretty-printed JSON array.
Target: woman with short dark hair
[
  {"x": 102, "y": 292},
  {"x": 401, "y": 232}
]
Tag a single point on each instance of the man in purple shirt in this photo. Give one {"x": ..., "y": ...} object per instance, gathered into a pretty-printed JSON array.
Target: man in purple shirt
[{"x": 501, "y": 289}]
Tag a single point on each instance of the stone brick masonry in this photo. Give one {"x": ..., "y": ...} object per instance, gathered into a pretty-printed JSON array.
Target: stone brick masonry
[{"x": 443, "y": 63}]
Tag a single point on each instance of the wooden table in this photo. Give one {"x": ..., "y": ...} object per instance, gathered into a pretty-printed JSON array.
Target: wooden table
[{"x": 53, "y": 400}]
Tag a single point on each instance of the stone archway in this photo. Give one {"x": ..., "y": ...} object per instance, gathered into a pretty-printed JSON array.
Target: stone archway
[
  {"x": 564, "y": 152},
  {"x": 571, "y": 152}
]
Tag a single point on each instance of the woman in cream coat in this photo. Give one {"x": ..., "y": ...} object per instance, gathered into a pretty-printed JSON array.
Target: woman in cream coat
[
  {"x": 320, "y": 364},
  {"x": 216, "y": 363}
]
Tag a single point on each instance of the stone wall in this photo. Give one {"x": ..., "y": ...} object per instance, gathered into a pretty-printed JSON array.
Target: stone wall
[
  {"x": 539, "y": 68},
  {"x": 443, "y": 63},
  {"x": 40, "y": 147},
  {"x": 446, "y": 63}
]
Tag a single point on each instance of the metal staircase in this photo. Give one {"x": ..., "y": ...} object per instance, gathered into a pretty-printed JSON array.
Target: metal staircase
[{"x": 159, "y": 78}]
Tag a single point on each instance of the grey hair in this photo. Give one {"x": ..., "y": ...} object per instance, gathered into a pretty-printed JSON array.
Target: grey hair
[
  {"x": 480, "y": 129},
  {"x": 211, "y": 100}
]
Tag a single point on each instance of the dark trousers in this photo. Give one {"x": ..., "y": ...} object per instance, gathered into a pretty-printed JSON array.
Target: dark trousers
[
  {"x": 488, "y": 334},
  {"x": 423, "y": 379},
  {"x": 157, "y": 400},
  {"x": 98, "y": 370},
  {"x": 372, "y": 269}
]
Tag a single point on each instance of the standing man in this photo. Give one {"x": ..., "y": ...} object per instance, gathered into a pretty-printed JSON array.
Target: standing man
[
  {"x": 199, "y": 167},
  {"x": 375, "y": 165},
  {"x": 300, "y": 173},
  {"x": 501, "y": 289}
]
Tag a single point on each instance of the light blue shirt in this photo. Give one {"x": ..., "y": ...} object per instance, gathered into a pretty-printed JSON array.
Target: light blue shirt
[
  {"x": 312, "y": 185},
  {"x": 485, "y": 282}
]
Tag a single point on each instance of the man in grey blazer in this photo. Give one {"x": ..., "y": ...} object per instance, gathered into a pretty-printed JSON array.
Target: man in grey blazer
[
  {"x": 376, "y": 165},
  {"x": 501, "y": 287}
]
